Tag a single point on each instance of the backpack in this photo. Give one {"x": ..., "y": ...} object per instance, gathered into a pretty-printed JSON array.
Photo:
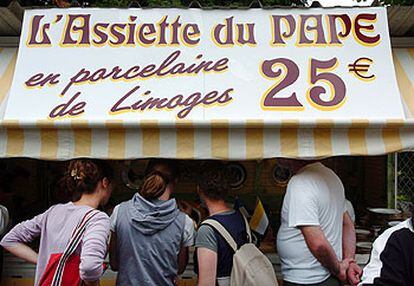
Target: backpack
[{"x": 250, "y": 266}]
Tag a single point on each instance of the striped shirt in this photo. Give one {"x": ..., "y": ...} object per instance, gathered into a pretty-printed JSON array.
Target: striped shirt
[{"x": 55, "y": 227}]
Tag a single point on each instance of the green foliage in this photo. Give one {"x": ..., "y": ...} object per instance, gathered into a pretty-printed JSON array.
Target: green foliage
[
  {"x": 398, "y": 2},
  {"x": 221, "y": 3},
  {"x": 112, "y": 3},
  {"x": 185, "y": 3},
  {"x": 155, "y": 3},
  {"x": 404, "y": 198}
]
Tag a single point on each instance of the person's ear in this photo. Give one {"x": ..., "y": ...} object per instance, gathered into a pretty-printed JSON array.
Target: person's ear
[{"x": 105, "y": 183}]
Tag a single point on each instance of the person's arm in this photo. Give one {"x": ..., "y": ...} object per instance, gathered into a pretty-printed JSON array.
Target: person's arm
[
  {"x": 94, "y": 249},
  {"x": 113, "y": 252},
  {"x": 320, "y": 247},
  {"x": 206, "y": 245},
  {"x": 348, "y": 249},
  {"x": 207, "y": 265},
  {"x": 182, "y": 260},
  {"x": 348, "y": 237},
  {"x": 15, "y": 241},
  {"x": 188, "y": 240},
  {"x": 23, "y": 251}
]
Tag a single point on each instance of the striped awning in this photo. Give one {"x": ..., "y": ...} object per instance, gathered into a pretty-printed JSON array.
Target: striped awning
[{"x": 218, "y": 140}]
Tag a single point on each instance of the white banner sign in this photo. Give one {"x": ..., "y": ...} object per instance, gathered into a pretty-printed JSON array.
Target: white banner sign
[{"x": 203, "y": 65}]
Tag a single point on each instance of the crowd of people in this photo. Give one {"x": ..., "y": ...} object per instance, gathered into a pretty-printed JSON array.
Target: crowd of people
[{"x": 148, "y": 237}]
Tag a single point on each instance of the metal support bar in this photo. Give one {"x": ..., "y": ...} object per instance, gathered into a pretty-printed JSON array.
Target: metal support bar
[
  {"x": 395, "y": 179},
  {"x": 256, "y": 4},
  {"x": 402, "y": 42},
  {"x": 195, "y": 4},
  {"x": 9, "y": 42},
  {"x": 134, "y": 4}
]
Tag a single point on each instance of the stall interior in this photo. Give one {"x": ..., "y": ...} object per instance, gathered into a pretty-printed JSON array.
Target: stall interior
[{"x": 28, "y": 187}]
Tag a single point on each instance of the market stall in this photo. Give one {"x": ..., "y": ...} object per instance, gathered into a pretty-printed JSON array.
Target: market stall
[
  {"x": 206, "y": 84},
  {"x": 374, "y": 120}
]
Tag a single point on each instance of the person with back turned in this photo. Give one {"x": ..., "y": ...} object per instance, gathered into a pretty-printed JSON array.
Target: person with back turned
[
  {"x": 90, "y": 184},
  {"x": 316, "y": 239},
  {"x": 150, "y": 236}
]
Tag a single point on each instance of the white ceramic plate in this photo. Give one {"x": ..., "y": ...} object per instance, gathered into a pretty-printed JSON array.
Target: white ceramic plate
[
  {"x": 364, "y": 244},
  {"x": 384, "y": 211},
  {"x": 362, "y": 231},
  {"x": 394, "y": 222}
]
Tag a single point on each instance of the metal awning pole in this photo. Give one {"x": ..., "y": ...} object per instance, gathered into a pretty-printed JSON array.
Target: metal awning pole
[{"x": 395, "y": 179}]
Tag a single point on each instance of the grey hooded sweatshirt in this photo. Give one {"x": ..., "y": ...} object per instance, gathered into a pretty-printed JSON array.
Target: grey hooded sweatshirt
[{"x": 149, "y": 238}]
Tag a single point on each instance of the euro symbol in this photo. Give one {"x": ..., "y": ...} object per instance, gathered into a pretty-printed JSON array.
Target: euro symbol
[{"x": 360, "y": 69}]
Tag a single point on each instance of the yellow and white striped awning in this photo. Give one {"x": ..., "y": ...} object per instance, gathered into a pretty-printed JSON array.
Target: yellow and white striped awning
[{"x": 219, "y": 140}]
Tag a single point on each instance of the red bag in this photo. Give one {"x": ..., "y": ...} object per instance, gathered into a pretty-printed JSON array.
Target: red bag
[
  {"x": 70, "y": 272},
  {"x": 63, "y": 268}
]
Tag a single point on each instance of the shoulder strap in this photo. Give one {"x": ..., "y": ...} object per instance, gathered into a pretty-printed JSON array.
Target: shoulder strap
[
  {"x": 223, "y": 232},
  {"x": 248, "y": 231},
  {"x": 72, "y": 246}
]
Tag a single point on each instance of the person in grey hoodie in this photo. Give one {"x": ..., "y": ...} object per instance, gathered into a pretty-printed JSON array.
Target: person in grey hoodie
[{"x": 150, "y": 236}]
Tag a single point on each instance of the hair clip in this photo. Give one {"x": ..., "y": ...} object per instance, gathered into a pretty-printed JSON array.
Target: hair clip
[{"x": 76, "y": 175}]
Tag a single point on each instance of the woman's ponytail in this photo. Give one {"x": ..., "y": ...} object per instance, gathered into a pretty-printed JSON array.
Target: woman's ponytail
[{"x": 154, "y": 186}]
